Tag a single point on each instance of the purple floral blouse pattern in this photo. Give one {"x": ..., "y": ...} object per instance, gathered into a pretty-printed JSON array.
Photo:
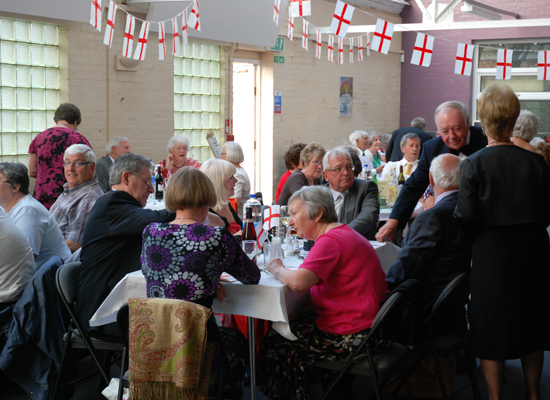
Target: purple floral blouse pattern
[
  {"x": 186, "y": 261},
  {"x": 49, "y": 147}
]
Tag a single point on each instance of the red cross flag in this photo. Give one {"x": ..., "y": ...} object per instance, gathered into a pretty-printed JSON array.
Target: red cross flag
[
  {"x": 95, "y": 15},
  {"x": 276, "y": 9},
  {"x": 290, "y": 33},
  {"x": 330, "y": 48},
  {"x": 340, "y": 50},
  {"x": 300, "y": 8},
  {"x": 341, "y": 19},
  {"x": 304, "y": 35},
  {"x": 351, "y": 50},
  {"x": 368, "y": 44},
  {"x": 504, "y": 64},
  {"x": 543, "y": 65},
  {"x": 175, "y": 36},
  {"x": 423, "y": 49},
  {"x": 319, "y": 45},
  {"x": 141, "y": 47},
  {"x": 194, "y": 20},
  {"x": 110, "y": 27},
  {"x": 382, "y": 36},
  {"x": 271, "y": 217},
  {"x": 128, "y": 36},
  {"x": 360, "y": 48},
  {"x": 184, "y": 28},
  {"x": 162, "y": 42},
  {"x": 464, "y": 57}
]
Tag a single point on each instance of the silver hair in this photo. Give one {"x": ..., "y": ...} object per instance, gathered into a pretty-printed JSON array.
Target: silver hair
[
  {"x": 407, "y": 137},
  {"x": 86, "y": 151},
  {"x": 115, "y": 142},
  {"x": 452, "y": 104},
  {"x": 336, "y": 152},
  {"x": 177, "y": 139},
  {"x": 419, "y": 122},
  {"x": 386, "y": 137},
  {"x": 131, "y": 162},
  {"x": 234, "y": 152},
  {"x": 527, "y": 126},
  {"x": 354, "y": 136},
  {"x": 16, "y": 174},
  {"x": 372, "y": 135},
  {"x": 316, "y": 200},
  {"x": 445, "y": 170}
]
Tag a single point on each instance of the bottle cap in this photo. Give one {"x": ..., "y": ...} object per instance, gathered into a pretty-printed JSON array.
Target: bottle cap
[{"x": 252, "y": 196}]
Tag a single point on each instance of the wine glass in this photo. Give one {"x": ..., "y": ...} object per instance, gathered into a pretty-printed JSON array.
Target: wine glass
[{"x": 250, "y": 248}]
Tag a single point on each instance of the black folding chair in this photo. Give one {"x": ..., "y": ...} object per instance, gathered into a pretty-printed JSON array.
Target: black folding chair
[
  {"x": 379, "y": 367},
  {"x": 66, "y": 280}
]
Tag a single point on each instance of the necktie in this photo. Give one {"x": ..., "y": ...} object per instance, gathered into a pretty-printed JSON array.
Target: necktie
[
  {"x": 342, "y": 212},
  {"x": 408, "y": 168}
]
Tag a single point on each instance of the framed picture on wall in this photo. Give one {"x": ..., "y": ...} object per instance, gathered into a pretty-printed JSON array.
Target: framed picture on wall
[{"x": 346, "y": 96}]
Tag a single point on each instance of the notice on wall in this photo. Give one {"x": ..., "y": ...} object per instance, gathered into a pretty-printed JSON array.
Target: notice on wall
[
  {"x": 346, "y": 96},
  {"x": 214, "y": 145},
  {"x": 278, "y": 107}
]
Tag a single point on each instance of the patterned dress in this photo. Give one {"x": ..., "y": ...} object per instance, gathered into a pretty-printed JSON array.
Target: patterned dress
[
  {"x": 189, "y": 163},
  {"x": 49, "y": 147}
]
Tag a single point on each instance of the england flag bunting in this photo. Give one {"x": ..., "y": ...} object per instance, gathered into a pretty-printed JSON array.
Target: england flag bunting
[
  {"x": 300, "y": 8},
  {"x": 341, "y": 19},
  {"x": 305, "y": 35},
  {"x": 175, "y": 36},
  {"x": 95, "y": 14},
  {"x": 360, "y": 48},
  {"x": 543, "y": 65},
  {"x": 330, "y": 48},
  {"x": 351, "y": 50},
  {"x": 290, "y": 26},
  {"x": 110, "y": 26},
  {"x": 141, "y": 47},
  {"x": 162, "y": 42},
  {"x": 504, "y": 64},
  {"x": 423, "y": 49},
  {"x": 382, "y": 36},
  {"x": 340, "y": 50},
  {"x": 184, "y": 28},
  {"x": 368, "y": 44},
  {"x": 128, "y": 36},
  {"x": 194, "y": 19},
  {"x": 276, "y": 9},
  {"x": 464, "y": 58},
  {"x": 318, "y": 45}
]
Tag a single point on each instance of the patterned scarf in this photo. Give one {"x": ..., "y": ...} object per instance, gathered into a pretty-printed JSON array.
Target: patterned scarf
[{"x": 169, "y": 358}]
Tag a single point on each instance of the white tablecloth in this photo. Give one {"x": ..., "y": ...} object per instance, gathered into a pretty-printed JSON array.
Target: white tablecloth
[
  {"x": 385, "y": 212},
  {"x": 269, "y": 300}
]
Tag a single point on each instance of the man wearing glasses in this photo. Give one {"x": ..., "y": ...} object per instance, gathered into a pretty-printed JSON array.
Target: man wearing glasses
[
  {"x": 355, "y": 200},
  {"x": 72, "y": 208}
]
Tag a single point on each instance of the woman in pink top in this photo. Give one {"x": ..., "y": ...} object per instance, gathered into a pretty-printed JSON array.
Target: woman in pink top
[{"x": 344, "y": 277}]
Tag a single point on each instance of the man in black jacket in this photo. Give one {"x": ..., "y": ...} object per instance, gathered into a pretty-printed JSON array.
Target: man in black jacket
[{"x": 393, "y": 151}]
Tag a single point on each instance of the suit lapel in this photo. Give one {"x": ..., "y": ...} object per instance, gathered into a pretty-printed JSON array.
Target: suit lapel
[{"x": 350, "y": 201}]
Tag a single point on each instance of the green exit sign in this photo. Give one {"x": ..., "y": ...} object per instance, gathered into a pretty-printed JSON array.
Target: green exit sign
[
  {"x": 279, "y": 59},
  {"x": 279, "y": 45}
]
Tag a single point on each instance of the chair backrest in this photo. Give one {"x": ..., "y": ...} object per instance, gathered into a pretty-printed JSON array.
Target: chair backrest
[
  {"x": 123, "y": 323},
  {"x": 66, "y": 280},
  {"x": 393, "y": 308},
  {"x": 448, "y": 296}
]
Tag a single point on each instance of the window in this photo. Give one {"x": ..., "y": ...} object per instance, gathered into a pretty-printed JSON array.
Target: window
[
  {"x": 197, "y": 96},
  {"x": 534, "y": 95},
  {"x": 29, "y": 84}
]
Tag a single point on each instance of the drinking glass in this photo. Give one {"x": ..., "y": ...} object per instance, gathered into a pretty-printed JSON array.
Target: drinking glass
[{"x": 249, "y": 247}]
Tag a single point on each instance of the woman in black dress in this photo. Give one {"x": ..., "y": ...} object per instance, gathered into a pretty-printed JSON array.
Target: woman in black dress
[{"x": 503, "y": 202}]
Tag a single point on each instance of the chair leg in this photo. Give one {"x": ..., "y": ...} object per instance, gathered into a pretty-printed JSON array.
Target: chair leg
[
  {"x": 68, "y": 338},
  {"x": 438, "y": 369},
  {"x": 471, "y": 363},
  {"x": 122, "y": 371},
  {"x": 91, "y": 349},
  {"x": 374, "y": 374},
  {"x": 407, "y": 384}
]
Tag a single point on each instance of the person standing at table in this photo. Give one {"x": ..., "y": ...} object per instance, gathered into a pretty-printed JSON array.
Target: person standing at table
[
  {"x": 503, "y": 206},
  {"x": 456, "y": 137},
  {"x": 46, "y": 153},
  {"x": 232, "y": 152},
  {"x": 393, "y": 151},
  {"x": 115, "y": 147},
  {"x": 344, "y": 277}
]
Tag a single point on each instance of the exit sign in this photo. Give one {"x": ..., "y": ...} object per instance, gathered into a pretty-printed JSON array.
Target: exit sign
[
  {"x": 279, "y": 44},
  {"x": 279, "y": 59}
]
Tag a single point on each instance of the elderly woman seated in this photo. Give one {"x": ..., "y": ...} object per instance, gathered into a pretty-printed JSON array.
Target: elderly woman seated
[
  {"x": 344, "y": 277},
  {"x": 29, "y": 215},
  {"x": 184, "y": 259},
  {"x": 177, "y": 148},
  {"x": 527, "y": 126}
]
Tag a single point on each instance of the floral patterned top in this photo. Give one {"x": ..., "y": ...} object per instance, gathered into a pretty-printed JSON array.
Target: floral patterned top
[
  {"x": 189, "y": 163},
  {"x": 49, "y": 147},
  {"x": 186, "y": 261}
]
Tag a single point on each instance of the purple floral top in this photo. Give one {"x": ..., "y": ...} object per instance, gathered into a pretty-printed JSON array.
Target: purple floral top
[
  {"x": 186, "y": 261},
  {"x": 49, "y": 147}
]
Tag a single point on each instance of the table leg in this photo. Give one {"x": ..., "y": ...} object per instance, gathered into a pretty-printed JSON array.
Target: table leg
[{"x": 252, "y": 351}]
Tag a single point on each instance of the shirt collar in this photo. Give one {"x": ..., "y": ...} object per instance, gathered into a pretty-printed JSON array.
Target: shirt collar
[
  {"x": 335, "y": 194},
  {"x": 444, "y": 194},
  {"x": 67, "y": 189},
  {"x": 112, "y": 159}
]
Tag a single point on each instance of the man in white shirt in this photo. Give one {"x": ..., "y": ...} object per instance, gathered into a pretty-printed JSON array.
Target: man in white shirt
[
  {"x": 410, "y": 146},
  {"x": 115, "y": 147},
  {"x": 360, "y": 141}
]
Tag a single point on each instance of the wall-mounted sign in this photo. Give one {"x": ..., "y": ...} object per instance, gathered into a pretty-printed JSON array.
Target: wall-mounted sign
[
  {"x": 279, "y": 45},
  {"x": 279, "y": 59},
  {"x": 277, "y": 103}
]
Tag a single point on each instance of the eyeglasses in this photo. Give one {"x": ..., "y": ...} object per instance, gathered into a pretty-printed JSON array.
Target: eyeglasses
[
  {"x": 348, "y": 168},
  {"x": 77, "y": 164},
  {"x": 148, "y": 182},
  {"x": 316, "y": 163}
]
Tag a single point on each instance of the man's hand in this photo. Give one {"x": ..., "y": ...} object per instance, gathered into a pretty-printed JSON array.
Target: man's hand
[{"x": 387, "y": 232}]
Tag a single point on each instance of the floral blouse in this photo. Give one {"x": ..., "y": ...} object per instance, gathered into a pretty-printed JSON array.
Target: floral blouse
[
  {"x": 189, "y": 163},
  {"x": 186, "y": 261}
]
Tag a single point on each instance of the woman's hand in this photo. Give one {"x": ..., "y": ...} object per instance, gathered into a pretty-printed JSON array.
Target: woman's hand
[
  {"x": 379, "y": 169},
  {"x": 220, "y": 292},
  {"x": 169, "y": 161},
  {"x": 274, "y": 265}
]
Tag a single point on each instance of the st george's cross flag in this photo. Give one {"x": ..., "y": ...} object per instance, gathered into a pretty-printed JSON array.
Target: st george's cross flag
[
  {"x": 175, "y": 36},
  {"x": 330, "y": 48},
  {"x": 300, "y": 8},
  {"x": 543, "y": 65},
  {"x": 128, "y": 40},
  {"x": 318, "y": 45},
  {"x": 162, "y": 42},
  {"x": 341, "y": 19},
  {"x": 290, "y": 32},
  {"x": 305, "y": 35},
  {"x": 464, "y": 58},
  {"x": 141, "y": 47},
  {"x": 351, "y": 50},
  {"x": 194, "y": 19},
  {"x": 504, "y": 64},
  {"x": 423, "y": 49},
  {"x": 96, "y": 14},
  {"x": 382, "y": 36},
  {"x": 184, "y": 28},
  {"x": 110, "y": 26}
]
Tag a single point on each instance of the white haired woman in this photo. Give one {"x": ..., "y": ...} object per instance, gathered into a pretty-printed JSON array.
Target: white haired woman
[
  {"x": 527, "y": 126},
  {"x": 233, "y": 152},
  {"x": 373, "y": 152},
  {"x": 344, "y": 277},
  {"x": 177, "y": 148},
  {"x": 222, "y": 175}
]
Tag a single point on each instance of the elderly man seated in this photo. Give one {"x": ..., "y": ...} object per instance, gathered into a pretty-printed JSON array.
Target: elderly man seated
[
  {"x": 435, "y": 249},
  {"x": 115, "y": 147},
  {"x": 355, "y": 200},
  {"x": 34, "y": 220},
  {"x": 360, "y": 142},
  {"x": 72, "y": 208},
  {"x": 410, "y": 146}
]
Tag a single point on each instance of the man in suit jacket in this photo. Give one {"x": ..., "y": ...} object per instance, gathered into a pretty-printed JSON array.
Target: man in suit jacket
[
  {"x": 457, "y": 137},
  {"x": 115, "y": 147},
  {"x": 393, "y": 151},
  {"x": 356, "y": 201}
]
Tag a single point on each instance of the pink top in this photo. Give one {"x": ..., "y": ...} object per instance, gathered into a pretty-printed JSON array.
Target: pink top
[
  {"x": 281, "y": 184},
  {"x": 352, "y": 284},
  {"x": 189, "y": 163}
]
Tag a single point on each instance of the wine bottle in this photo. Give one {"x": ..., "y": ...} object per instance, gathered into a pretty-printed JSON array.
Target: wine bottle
[
  {"x": 159, "y": 185},
  {"x": 249, "y": 235},
  {"x": 401, "y": 178}
]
